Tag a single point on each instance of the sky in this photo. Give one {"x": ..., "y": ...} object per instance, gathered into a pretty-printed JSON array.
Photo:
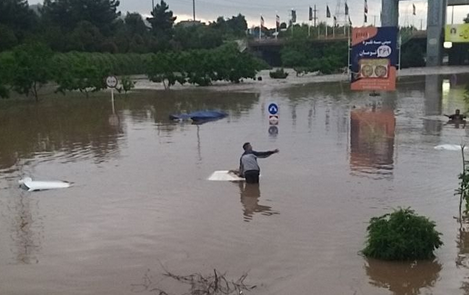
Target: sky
[{"x": 209, "y": 10}]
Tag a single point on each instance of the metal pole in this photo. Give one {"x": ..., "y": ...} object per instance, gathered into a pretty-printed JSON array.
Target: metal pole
[
  {"x": 112, "y": 100},
  {"x": 193, "y": 9},
  {"x": 452, "y": 15}
]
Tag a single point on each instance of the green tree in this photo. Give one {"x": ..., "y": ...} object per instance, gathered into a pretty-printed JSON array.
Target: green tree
[
  {"x": 31, "y": 68},
  {"x": 81, "y": 74},
  {"x": 197, "y": 37},
  {"x": 69, "y": 13},
  {"x": 162, "y": 21},
  {"x": 401, "y": 235},
  {"x": 166, "y": 68},
  {"x": 6, "y": 66},
  {"x": 16, "y": 19},
  {"x": 8, "y": 38},
  {"x": 135, "y": 24}
]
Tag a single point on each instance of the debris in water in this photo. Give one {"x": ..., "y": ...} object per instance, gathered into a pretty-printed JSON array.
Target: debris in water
[{"x": 32, "y": 185}]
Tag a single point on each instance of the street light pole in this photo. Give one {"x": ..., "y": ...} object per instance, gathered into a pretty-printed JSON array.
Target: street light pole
[{"x": 193, "y": 9}]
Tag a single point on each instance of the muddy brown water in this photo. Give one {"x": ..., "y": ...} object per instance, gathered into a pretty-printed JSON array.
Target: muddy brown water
[{"x": 141, "y": 201}]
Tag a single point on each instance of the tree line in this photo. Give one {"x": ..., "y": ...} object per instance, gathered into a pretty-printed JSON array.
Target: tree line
[
  {"x": 98, "y": 26},
  {"x": 29, "y": 67}
]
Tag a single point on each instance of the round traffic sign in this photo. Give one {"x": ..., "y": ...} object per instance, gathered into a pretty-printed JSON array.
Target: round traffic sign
[
  {"x": 111, "y": 81},
  {"x": 273, "y": 109},
  {"x": 273, "y": 130}
]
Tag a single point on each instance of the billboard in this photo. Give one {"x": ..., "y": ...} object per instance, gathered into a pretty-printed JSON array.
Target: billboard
[
  {"x": 374, "y": 58},
  {"x": 457, "y": 33}
]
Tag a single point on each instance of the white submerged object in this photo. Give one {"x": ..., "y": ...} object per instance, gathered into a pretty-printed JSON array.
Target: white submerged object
[
  {"x": 33, "y": 185},
  {"x": 224, "y": 175},
  {"x": 449, "y": 147}
]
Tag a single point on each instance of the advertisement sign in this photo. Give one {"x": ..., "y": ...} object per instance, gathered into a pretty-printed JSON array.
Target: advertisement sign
[
  {"x": 457, "y": 33},
  {"x": 374, "y": 58}
]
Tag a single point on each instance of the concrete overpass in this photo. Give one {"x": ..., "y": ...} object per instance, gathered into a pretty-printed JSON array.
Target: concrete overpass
[{"x": 436, "y": 20}]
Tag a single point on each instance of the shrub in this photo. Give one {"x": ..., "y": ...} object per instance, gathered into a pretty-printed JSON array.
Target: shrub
[
  {"x": 278, "y": 74},
  {"x": 401, "y": 235}
]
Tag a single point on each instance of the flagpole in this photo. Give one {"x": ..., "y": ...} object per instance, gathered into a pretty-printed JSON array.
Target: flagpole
[
  {"x": 327, "y": 16},
  {"x": 276, "y": 24},
  {"x": 333, "y": 28},
  {"x": 260, "y": 29}
]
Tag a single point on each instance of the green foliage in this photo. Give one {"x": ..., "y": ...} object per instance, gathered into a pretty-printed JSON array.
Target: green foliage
[
  {"x": 310, "y": 57},
  {"x": 69, "y": 13},
  {"x": 412, "y": 55},
  {"x": 166, "y": 68},
  {"x": 463, "y": 190},
  {"x": 30, "y": 68},
  {"x": 7, "y": 38},
  {"x": 278, "y": 74},
  {"x": 16, "y": 19},
  {"x": 197, "y": 37},
  {"x": 232, "y": 28},
  {"x": 80, "y": 75},
  {"x": 162, "y": 21},
  {"x": 127, "y": 84},
  {"x": 401, "y": 235},
  {"x": 6, "y": 67},
  {"x": 202, "y": 67}
]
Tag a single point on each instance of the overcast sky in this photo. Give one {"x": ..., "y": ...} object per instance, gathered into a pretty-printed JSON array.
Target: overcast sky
[{"x": 209, "y": 10}]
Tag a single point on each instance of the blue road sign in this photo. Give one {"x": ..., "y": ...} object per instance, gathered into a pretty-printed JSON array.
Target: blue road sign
[{"x": 273, "y": 109}]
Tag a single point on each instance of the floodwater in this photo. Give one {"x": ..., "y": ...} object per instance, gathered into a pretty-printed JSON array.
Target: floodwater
[{"x": 141, "y": 202}]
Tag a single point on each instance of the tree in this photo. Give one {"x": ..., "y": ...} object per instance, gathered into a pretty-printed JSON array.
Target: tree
[
  {"x": 7, "y": 38},
  {"x": 135, "y": 24},
  {"x": 17, "y": 17},
  {"x": 81, "y": 75},
  {"x": 6, "y": 67},
  {"x": 466, "y": 19},
  {"x": 86, "y": 37},
  {"x": 402, "y": 235},
  {"x": 162, "y": 21},
  {"x": 31, "y": 68},
  {"x": 68, "y": 13},
  {"x": 166, "y": 68}
]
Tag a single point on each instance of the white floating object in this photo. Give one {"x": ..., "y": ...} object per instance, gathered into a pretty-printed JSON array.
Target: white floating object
[
  {"x": 449, "y": 147},
  {"x": 224, "y": 175},
  {"x": 32, "y": 185}
]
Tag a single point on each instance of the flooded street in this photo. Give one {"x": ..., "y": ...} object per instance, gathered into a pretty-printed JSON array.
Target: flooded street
[{"x": 141, "y": 200}]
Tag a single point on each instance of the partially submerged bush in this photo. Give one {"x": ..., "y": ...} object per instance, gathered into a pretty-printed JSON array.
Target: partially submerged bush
[
  {"x": 278, "y": 74},
  {"x": 401, "y": 235}
]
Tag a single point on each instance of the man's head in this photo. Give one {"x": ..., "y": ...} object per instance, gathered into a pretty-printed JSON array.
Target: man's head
[
  {"x": 247, "y": 146},
  {"x": 457, "y": 112}
]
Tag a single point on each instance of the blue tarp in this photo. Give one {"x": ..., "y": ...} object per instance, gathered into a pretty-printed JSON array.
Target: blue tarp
[{"x": 200, "y": 116}]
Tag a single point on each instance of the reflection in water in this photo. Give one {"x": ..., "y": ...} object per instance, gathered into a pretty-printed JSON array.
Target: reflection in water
[
  {"x": 75, "y": 128},
  {"x": 462, "y": 260},
  {"x": 433, "y": 97},
  {"x": 250, "y": 194},
  {"x": 403, "y": 278},
  {"x": 26, "y": 230},
  {"x": 372, "y": 141}
]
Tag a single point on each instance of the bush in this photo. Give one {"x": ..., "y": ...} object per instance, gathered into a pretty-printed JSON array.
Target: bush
[
  {"x": 401, "y": 235},
  {"x": 278, "y": 74}
]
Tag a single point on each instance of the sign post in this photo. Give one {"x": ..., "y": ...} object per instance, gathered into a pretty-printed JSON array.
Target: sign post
[
  {"x": 273, "y": 113},
  {"x": 111, "y": 82},
  {"x": 273, "y": 119},
  {"x": 374, "y": 58}
]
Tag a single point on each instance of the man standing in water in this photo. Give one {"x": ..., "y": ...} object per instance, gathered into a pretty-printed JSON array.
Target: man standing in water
[
  {"x": 248, "y": 167},
  {"x": 457, "y": 116}
]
